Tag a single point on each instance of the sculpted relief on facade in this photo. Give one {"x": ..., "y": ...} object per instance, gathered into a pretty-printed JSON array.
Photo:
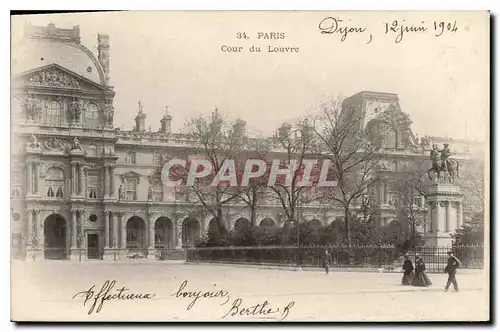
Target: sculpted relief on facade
[{"x": 52, "y": 77}]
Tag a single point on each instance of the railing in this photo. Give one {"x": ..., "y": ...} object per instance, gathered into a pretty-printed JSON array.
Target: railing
[{"x": 357, "y": 256}]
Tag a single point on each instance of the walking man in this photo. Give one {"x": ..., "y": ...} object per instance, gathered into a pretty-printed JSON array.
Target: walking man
[
  {"x": 326, "y": 261},
  {"x": 451, "y": 269}
]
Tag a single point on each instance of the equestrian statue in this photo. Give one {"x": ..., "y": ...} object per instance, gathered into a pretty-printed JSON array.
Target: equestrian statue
[{"x": 441, "y": 162}]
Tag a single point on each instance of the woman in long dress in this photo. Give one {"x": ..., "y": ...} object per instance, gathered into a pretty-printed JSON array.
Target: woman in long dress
[
  {"x": 407, "y": 272},
  {"x": 421, "y": 279}
]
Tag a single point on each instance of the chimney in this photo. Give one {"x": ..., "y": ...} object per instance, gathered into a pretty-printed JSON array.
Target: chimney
[
  {"x": 166, "y": 122},
  {"x": 103, "y": 54},
  {"x": 140, "y": 119}
]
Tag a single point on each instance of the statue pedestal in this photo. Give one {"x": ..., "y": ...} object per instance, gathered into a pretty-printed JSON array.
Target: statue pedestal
[{"x": 444, "y": 214}]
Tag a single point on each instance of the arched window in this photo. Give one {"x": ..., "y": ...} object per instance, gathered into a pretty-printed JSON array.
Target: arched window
[
  {"x": 91, "y": 116},
  {"x": 54, "y": 114},
  {"x": 54, "y": 182},
  {"x": 392, "y": 136}
]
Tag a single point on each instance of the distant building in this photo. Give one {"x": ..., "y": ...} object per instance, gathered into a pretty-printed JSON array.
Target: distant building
[{"x": 82, "y": 188}]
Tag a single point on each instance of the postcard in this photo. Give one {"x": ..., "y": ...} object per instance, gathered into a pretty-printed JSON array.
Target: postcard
[{"x": 272, "y": 166}]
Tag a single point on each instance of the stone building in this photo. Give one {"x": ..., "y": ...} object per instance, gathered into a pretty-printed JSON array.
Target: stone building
[{"x": 83, "y": 189}]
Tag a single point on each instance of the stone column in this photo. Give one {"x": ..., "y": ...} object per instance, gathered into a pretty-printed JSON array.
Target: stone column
[
  {"x": 430, "y": 216},
  {"x": 36, "y": 168},
  {"x": 74, "y": 229},
  {"x": 74, "y": 254},
  {"x": 73, "y": 179},
  {"x": 123, "y": 235},
  {"x": 30, "y": 178},
  {"x": 437, "y": 226},
  {"x": 178, "y": 234},
  {"x": 106, "y": 180},
  {"x": 151, "y": 237},
  {"x": 106, "y": 229},
  {"x": 29, "y": 228},
  {"x": 82, "y": 180},
  {"x": 460, "y": 219},
  {"x": 381, "y": 192},
  {"x": 385, "y": 192},
  {"x": 39, "y": 226},
  {"x": 448, "y": 215},
  {"x": 115, "y": 230},
  {"x": 112, "y": 181}
]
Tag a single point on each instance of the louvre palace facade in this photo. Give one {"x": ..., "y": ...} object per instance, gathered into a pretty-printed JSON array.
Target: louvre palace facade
[{"x": 83, "y": 189}]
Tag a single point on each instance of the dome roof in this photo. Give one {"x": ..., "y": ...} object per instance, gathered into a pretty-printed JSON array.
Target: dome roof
[{"x": 30, "y": 54}]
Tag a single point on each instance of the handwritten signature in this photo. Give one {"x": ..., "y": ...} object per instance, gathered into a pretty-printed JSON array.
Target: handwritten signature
[
  {"x": 260, "y": 309},
  {"x": 107, "y": 293},
  {"x": 237, "y": 308}
]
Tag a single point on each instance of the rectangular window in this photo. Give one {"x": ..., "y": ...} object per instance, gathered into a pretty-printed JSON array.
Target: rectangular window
[
  {"x": 130, "y": 158},
  {"x": 417, "y": 201},
  {"x": 158, "y": 192},
  {"x": 131, "y": 189},
  {"x": 92, "y": 186}
]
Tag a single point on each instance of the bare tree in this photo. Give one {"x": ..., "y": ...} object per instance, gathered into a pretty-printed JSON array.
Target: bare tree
[
  {"x": 219, "y": 142},
  {"x": 354, "y": 152},
  {"x": 295, "y": 144},
  {"x": 408, "y": 191}
]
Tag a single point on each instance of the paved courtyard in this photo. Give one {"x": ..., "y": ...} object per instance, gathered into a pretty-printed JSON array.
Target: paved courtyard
[{"x": 45, "y": 290}]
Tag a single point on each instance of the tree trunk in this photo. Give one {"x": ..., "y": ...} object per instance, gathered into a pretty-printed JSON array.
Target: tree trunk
[{"x": 347, "y": 221}]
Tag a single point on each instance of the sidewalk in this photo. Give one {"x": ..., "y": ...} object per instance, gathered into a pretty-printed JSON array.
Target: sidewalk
[{"x": 265, "y": 266}]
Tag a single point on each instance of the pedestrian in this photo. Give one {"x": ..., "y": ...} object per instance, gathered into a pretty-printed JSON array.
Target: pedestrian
[
  {"x": 421, "y": 279},
  {"x": 327, "y": 258},
  {"x": 451, "y": 268},
  {"x": 407, "y": 271}
]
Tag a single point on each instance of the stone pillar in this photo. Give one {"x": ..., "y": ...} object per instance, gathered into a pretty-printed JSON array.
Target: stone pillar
[
  {"x": 435, "y": 217},
  {"x": 73, "y": 179},
  {"x": 30, "y": 178},
  {"x": 82, "y": 180},
  {"x": 178, "y": 234},
  {"x": 29, "y": 228},
  {"x": 115, "y": 230},
  {"x": 36, "y": 169},
  {"x": 112, "y": 181},
  {"x": 40, "y": 236},
  {"x": 381, "y": 192},
  {"x": 385, "y": 193},
  {"x": 151, "y": 237},
  {"x": 106, "y": 229},
  {"x": 448, "y": 216},
  {"x": 123, "y": 233},
  {"x": 460, "y": 219},
  {"x": 74, "y": 255},
  {"x": 106, "y": 180}
]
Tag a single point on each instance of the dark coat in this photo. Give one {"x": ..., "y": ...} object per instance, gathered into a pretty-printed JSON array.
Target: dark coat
[
  {"x": 453, "y": 264},
  {"x": 327, "y": 259}
]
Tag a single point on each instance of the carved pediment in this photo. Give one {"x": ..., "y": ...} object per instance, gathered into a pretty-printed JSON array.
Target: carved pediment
[
  {"x": 130, "y": 175},
  {"x": 55, "y": 76}
]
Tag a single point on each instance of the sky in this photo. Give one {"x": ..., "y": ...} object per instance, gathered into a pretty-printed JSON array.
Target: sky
[{"x": 174, "y": 59}]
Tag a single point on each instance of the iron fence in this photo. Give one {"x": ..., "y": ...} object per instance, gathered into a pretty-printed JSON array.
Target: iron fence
[{"x": 357, "y": 256}]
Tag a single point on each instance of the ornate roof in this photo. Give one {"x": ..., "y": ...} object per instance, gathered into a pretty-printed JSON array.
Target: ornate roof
[{"x": 45, "y": 46}]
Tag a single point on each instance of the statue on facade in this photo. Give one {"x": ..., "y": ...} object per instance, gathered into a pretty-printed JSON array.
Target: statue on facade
[
  {"x": 108, "y": 113},
  {"x": 33, "y": 142},
  {"x": 120, "y": 192},
  {"x": 75, "y": 109},
  {"x": 150, "y": 193},
  {"x": 76, "y": 144},
  {"x": 32, "y": 106},
  {"x": 441, "y": 162}
]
